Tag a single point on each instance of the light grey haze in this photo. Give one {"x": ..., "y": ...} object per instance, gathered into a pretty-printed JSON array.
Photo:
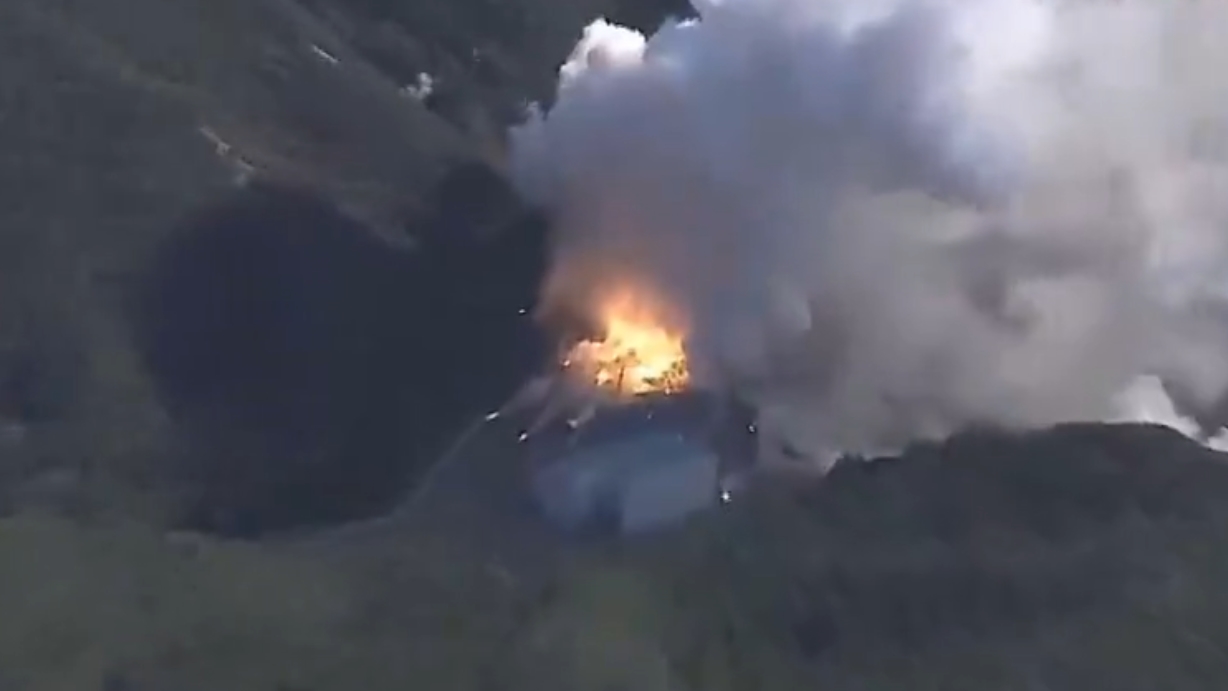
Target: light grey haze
[{"x": 891, "y": 219}]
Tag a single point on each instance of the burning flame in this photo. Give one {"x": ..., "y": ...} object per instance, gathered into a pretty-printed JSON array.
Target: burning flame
[{"x": 637, "y": 354}]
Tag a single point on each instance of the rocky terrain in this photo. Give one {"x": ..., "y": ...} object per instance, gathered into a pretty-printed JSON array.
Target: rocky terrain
[{"x": 255, "y": 254}]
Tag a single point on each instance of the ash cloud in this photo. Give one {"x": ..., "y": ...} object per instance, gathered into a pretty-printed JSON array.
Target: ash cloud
[{"x": 891, "y": 220}]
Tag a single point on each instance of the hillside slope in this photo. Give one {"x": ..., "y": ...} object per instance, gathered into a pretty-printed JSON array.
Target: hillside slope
[
  {"x": 122, "y": 123},
  {"x": 234, "y": 248},
  {"x": 1081, "y": 558}
]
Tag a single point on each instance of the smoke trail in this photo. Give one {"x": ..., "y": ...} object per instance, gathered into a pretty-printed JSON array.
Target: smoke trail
[{"x": 893, "y": 219}]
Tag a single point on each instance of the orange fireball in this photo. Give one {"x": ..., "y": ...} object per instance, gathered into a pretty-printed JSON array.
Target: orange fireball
[{"x": 636, "y": 354}]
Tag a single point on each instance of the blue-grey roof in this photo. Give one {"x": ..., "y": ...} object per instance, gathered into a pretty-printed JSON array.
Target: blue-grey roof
[
  {"x": 637, "y": 453},
  {"x": 690, "y": 415}
]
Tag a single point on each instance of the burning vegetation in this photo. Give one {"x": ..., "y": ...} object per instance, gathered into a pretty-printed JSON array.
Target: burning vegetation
[{"x": 636, "y": 353}]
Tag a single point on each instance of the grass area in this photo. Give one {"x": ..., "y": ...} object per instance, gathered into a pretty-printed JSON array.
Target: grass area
[
  {"x": 787, "y": 590},
  {"x": 83, "y": 603}
]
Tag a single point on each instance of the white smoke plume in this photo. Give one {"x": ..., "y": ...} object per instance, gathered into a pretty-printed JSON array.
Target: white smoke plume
[{"x": 892, "y": 219}]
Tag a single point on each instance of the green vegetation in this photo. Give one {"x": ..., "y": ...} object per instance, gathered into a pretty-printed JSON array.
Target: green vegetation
[
  {"x": 80, "y": 603},
  {"x": 846, "y": 586},
  {"x": 785, "y": 590}
]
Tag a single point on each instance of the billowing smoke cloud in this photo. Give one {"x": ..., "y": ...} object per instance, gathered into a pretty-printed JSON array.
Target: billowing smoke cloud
[{"x": 892, "y": 219}]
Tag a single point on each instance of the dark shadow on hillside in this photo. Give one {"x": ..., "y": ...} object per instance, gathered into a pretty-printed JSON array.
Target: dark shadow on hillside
[
  {"x": 314, "y": 369},
  {"x": 994, "y": 531}
]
